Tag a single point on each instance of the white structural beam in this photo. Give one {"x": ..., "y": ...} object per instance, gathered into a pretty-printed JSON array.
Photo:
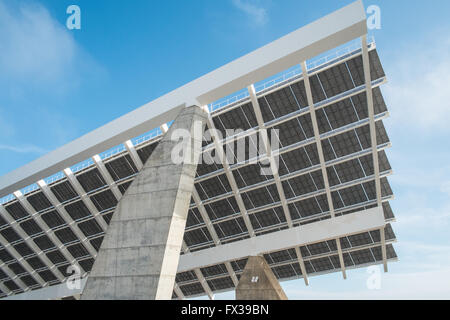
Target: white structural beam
[
  {"x": 373, "y": 137},
  {"x": 85, "y": 198},
  {"x": 204, "y": 283},
  {"x": 107, "y": 177},
  {"x": 330, "y": 229},
  {"x": 232, "y": 273},
  {"x": 205, "y": 217},
  {"x": 302, "y": 265},
  {"x": 178, "y": 291},
  {"x": 220, "y": 154},
  {"x": 323, "y": 167},
  {"x": 320, "y": 36},
  {"x": 29, "y": 241},
  {"x": 4, "y": 289},
  {"x": 54, "y": 292},
  {"x": 318, "y": 140},
  {"x": 67, "y": 219},
  {"x": 341, "y": 258},
  {"x": 268, "y": 151},
  {"x": 133, "y": 154}
]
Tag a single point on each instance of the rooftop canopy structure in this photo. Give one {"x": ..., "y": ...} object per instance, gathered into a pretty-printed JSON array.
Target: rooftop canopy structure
[{"x": 315, "y": 93}]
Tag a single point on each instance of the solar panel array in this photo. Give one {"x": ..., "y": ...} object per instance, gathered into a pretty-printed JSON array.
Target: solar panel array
[{"x": 43, "y": 232}]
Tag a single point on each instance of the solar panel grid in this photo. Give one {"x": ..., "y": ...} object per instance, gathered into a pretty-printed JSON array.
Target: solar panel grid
[
  {"x": 63, "y": 269},
  {"x": 3, "y": 275},
  {"x": 17, "y": 268},
  {"x": 10, "y": 235},
  {"x": 197, "y": 236},
  {"x": 64, "y": 191},
  {"x": 90, "y": 228},
  {"x": 216, "y": 270},
  {"x": 86, "y": 264},
  {"x": 121, "y": 167},
  {"x": 78, "y": 250},
  {"x": 66, "y": 235},
  {"x": 91, "y": 180},
  {"x": 124, "y": 186},
  {"x": 213, "y": 187},
  {"x": 104, "y": 200},
  {"x": 96, "y": 243},
  {"x": 48, "y": 276},
  {"x": 260, "y": 197},
  {"x": 39, "y": 201},
  {"x": 56, "y": 257},
  {"x": 31, "y": 228},
  {"x": 221, "y": 283},
  {"x": 194, "y": 218},
  {"x": 267, "y": 218},
  {"x": 44, "y": 242},
  {"x": 17, "y": 211},
  {"x": 53, "y": 219},
  {"x": 230, "y": 228},
  {"x": 281, "y": 102},
  {"x": 145, "y": 152},
  {"x": 77, "y": 210},
  {"x": 36, "y": 263},
  {"x": 222, "y": 208},
  {"x": 11, "y": 285},
  {"x": 192, "y": 289},
  {"x": 249, "y": 175},
  {"x": 185, "y": 276}
]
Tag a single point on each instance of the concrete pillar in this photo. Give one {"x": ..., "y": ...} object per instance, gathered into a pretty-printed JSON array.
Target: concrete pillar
[
  {"x": 258, "y": 282},
  {"x": 139, "y": 256}
]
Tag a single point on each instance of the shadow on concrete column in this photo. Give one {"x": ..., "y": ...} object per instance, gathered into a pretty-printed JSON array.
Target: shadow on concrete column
[
  {"x": 258, "y": 282},
  {"x": 139, "y": 256}
]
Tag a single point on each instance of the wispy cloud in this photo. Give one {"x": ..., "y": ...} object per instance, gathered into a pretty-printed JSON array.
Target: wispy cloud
[
  {"x": 33, "y": 45},
  {"x": 253, "y": 10},
  {"x": 23, "y": 149},
  {"x": 418, "y": 92},
  {"x": 36, "y": 50}
]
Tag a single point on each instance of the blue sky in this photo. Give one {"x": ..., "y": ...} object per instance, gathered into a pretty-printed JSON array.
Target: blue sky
[{"x": 58, "y": 84}]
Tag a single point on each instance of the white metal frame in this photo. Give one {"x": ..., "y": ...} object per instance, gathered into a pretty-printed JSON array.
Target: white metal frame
[
  {"x": 373, "y": 138},
  {"x": 324, "y": 34},
  {"x": 320, "y": 36}
]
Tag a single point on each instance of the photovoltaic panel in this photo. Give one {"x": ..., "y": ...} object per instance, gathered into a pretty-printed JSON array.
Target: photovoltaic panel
[{"x": 284, "y": 108}]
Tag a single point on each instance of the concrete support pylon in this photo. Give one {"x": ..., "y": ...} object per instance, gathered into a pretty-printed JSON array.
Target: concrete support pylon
[
  {"x": 258, "y": 282},
  {"x": 139, "y": 256}
]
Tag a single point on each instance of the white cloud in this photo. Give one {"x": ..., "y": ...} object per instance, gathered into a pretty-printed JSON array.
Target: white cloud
[
  {"x": 445, "y": 187},
  {"x": 34, "y": 47},
  {"x": 418, "y": 94},
  {"x": 257, "y": 13},
  {"x": 23, "y": 149}
]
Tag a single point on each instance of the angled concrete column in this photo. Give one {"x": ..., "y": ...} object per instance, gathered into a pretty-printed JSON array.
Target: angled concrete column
[
  {"x": 258, "y": 282},
  {"x": 139, "y": 256}
]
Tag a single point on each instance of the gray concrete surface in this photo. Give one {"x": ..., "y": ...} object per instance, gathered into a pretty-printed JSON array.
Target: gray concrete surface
[
  {"x": 139, "y": 256},
  {"x": 258, "y": 282}
]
